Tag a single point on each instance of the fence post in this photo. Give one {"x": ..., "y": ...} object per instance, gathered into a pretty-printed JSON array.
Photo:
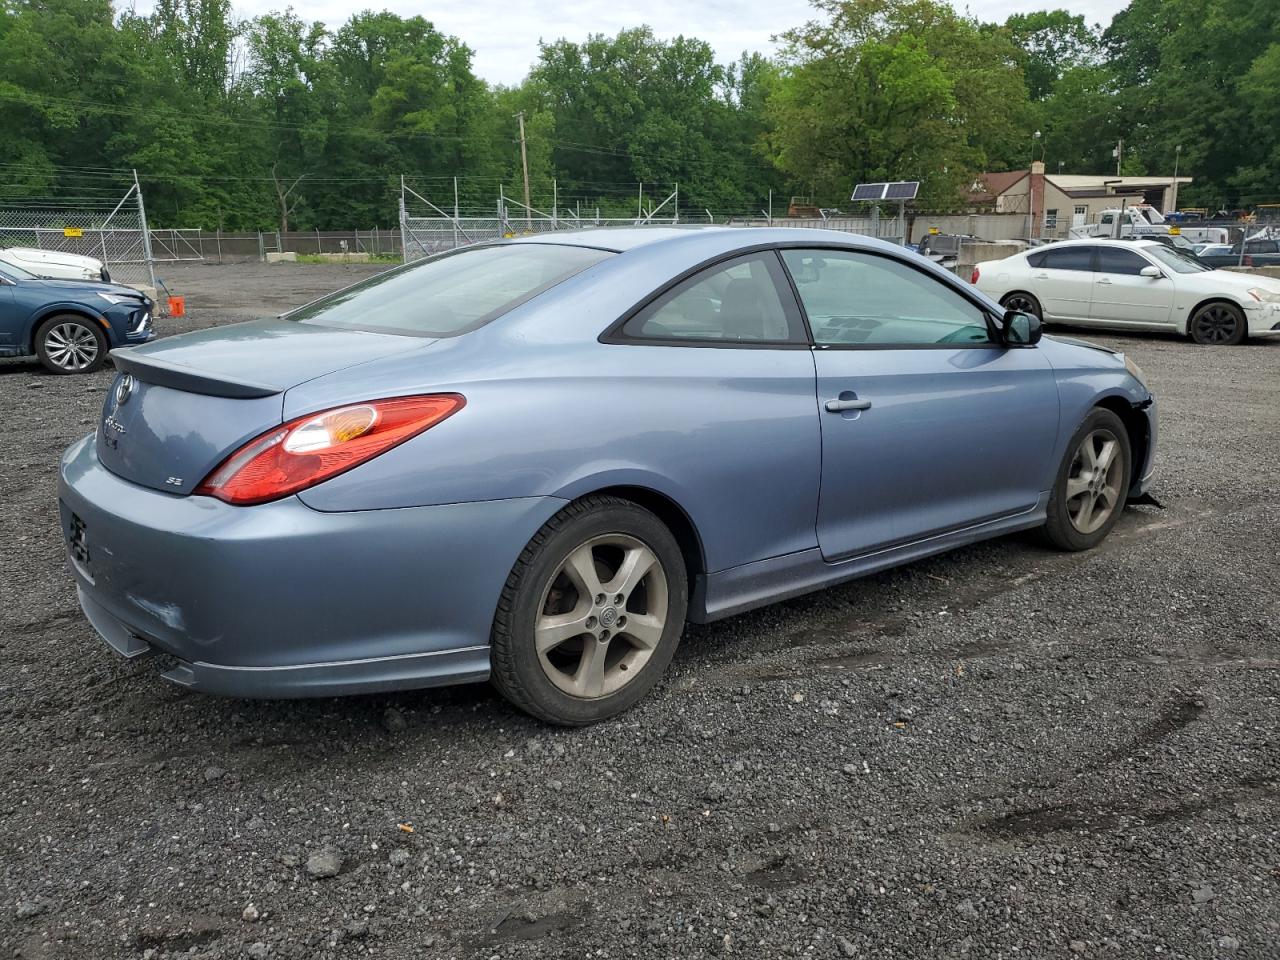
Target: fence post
[
  {"x": 219, "y": 244},
  {"x": 404, "y": 243},
  {"x": 455, "y": 213},
  {"x": 262, "y": 249},
  {"x": 146, "y": 237}
]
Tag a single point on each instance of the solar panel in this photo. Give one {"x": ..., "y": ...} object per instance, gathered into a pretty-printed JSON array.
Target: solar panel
[
  {"x": 869, "y": 191},
  {"x": 903, "y": 190}
]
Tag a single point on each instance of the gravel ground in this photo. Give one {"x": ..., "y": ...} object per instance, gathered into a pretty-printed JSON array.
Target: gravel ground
[{"x": 1004, "y": 752}]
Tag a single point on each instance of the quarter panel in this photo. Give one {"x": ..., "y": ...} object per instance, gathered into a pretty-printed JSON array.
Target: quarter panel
[{"x": 728, "y": 434}]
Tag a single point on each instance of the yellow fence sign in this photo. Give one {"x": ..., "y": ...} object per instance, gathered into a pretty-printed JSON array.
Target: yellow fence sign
[{"x": 72, "y": 232}]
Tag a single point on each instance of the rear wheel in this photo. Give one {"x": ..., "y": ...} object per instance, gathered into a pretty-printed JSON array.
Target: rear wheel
[
  {"x": 1023, "y": 303},
  {"x": 70, "y": 344},
  {"x": 1092, "y": 483},
  {"x": 1218, "y": 324},
  {"x": 591, "y": 613}
]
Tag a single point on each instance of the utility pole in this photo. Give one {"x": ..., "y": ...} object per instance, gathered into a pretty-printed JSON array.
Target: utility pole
[
  {"x": 524, "y": 163},
  {"x": 1119, "y": 151}
]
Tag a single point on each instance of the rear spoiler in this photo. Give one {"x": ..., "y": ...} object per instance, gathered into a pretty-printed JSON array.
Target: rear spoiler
[{"x": 165, "y": 374}]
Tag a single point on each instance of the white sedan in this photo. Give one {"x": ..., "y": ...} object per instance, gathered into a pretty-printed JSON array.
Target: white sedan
[
  {"x": 55, "y": 264},
  {"x": 1134, "y": 285}
]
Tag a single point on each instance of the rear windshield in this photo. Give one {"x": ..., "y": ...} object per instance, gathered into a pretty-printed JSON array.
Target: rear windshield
[{"x": 452, "y": 293}]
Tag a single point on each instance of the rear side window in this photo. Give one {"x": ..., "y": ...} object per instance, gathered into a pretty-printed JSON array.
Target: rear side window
[
  {"x": 735, "y": 302},
  {"x": 1111, "y": 260},
  {"x": 1068, "y": 258},
  {"x": 449, "y": 295}
]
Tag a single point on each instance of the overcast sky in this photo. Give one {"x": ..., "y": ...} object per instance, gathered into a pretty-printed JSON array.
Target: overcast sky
[{"x": 505, "y": 33}]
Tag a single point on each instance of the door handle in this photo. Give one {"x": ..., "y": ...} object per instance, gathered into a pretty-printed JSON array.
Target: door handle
[
  {"x": 1041, "y": 276},
  {"x": 839, "y": 406},
  {"x": 1104, "y": 280}
]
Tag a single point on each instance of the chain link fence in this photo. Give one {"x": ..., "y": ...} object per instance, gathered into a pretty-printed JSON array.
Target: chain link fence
[
  {"x": 114, "y": 233},
  {"x": 427, "y": 229}
]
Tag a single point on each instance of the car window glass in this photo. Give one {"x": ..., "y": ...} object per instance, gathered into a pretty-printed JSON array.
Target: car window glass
[
  {"x": 1036, "y": 259},
  {"x": 859, "y": 298},
  {"x": 1177, "y": 260},
  {"x": 737, "y": 301},
  {"x": 1112, "y": 260},
  {"x": 450, "y": 294},
  {"x": 1069, "y": 258}
]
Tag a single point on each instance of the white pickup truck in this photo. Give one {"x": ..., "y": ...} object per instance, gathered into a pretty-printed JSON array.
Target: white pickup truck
[{"x": 1144, "y": 220}]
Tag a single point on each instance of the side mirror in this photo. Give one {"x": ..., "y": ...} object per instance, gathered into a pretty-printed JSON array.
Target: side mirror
[
  {"x": 1020, "y": 329},
  {"x": 1154, "y": 273}
]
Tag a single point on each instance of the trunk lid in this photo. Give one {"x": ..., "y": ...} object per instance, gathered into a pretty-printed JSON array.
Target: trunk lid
[{"x": 180, "y": 406}]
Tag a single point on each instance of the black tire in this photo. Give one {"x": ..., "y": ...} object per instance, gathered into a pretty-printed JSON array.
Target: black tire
[
  {"x": 1218, "y": 324},
  {"x": 1062, "y": 528},
  {"x": 521, "y": 674},
  {"x": 1023, "y": 302},
  {"x": 68, "y": 343}
]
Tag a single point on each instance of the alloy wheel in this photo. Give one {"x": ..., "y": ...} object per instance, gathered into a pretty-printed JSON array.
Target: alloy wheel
[
  {"x": 71, "y": 346},
  {"x": 1216, "y": 323},
  {"x": 602, "y": 616},
  {"x": 1021, "y": 303},
  {"x": 1093, "y": 482}
]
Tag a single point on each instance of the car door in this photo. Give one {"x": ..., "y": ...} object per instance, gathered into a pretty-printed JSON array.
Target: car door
[
  {"x": 10, "y": 320},
  {"x": 1062, "y": 280},
  {"x": 1122, "y": 295},
  {"x": 928, "y": 426}
]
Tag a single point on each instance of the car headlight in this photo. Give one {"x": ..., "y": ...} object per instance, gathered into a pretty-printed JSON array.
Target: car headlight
[
  {"x": 114, "y": 298},
  {"x": 1135, "y": 370},
  {"x": 1264, "y": 296}
]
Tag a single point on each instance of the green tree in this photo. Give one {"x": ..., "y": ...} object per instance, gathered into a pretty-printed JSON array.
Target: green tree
[{"x": 895, "y": 90}]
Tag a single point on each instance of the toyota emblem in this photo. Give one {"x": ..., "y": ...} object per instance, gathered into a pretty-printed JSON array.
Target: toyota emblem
[{"x": 124, "y": 390}]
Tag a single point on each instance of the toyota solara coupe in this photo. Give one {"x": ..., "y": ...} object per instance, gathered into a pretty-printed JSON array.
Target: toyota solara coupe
[{"x": 533, "y": 461}]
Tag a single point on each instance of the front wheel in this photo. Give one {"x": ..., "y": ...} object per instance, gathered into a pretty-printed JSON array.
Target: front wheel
[
  {"x": 1218, "y": 324},
  {"x": 1089, "y": 493},
  {"x": 591, "y": 614},
  {"x": 70, "y": 344}
]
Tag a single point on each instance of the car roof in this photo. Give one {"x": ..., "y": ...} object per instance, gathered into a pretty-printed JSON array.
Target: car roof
[
  {"x": 1098, "y": 241},
  {"x": 705, "y": 240}
]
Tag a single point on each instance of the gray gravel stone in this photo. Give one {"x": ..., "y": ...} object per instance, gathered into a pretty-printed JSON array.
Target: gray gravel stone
[{"x": 325, "y": 862}]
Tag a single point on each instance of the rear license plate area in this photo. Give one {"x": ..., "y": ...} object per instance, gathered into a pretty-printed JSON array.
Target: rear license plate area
[{"x": 78, "y": 541}]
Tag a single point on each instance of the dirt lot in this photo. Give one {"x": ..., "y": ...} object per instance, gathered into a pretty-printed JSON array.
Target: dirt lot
[{"x": 1004, "y": 752}]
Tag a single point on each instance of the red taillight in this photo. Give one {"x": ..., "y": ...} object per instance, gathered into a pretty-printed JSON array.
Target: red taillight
[
  {"x": 974, "y": 277},
  {"x": 310, "y": 449}
]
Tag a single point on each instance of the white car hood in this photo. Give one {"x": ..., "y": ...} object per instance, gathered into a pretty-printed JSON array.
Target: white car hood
[
  {"x": 1238, "y": 282},
  {"x": 33, "y": 258}
]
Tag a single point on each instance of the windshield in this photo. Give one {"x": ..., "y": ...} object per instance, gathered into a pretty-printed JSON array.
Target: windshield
[
  {"x": 15, "y": 273},
  {"x": 1175, "y": 260},
  {"x": 450, "y": 294}
]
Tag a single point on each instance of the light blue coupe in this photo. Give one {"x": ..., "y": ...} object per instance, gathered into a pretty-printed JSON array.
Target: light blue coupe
[{"x": 533, "y": 461}]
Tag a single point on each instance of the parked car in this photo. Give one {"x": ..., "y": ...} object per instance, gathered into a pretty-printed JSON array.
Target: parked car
[
  {"x": 1257, "y": 253},
  {"x": 55, "y": 264},
  {"x": 1211, "y": 248},
  {"x": 69, "y": 325},
  {"x": 1136, "y": 285},
  {"x": 534, "y": 460}
]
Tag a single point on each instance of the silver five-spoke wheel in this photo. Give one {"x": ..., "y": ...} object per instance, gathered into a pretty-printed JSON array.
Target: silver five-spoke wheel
[
  {"x": 1094, "y": 481},
  {"x": 602, "y": 616}
]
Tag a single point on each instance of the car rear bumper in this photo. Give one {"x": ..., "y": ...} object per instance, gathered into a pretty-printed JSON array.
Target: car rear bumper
[{"x": 280, "y": 600}]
